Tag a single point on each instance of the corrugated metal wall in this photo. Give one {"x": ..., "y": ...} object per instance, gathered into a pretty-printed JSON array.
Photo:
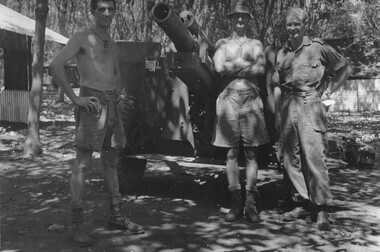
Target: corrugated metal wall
[
  {"x": 14, "y": 105},
  {"x": 357, "y": 96}
]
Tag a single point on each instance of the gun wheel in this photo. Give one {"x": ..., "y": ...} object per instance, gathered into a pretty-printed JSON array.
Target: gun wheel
[{"x": 131, "y": 171}]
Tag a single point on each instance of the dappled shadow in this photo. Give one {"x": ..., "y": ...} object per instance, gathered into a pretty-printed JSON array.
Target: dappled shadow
[
  {"x": 32, "y": 197},
  {"x": 205, "y": 183},
  {"x": 356, "y": 204},
  {"x": 177, "y": 222},
  {"x": 180, "y": 212},
  {"x": 212, "y": 233},
  {"x": 358, "y": 186},
  {"x": 356, "y": 125}
]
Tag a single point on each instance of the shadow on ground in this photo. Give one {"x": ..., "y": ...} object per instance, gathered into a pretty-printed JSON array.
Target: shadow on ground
[{"x": 180, "y": 213}]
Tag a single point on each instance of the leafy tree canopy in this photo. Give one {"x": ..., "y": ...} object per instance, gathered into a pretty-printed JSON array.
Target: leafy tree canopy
[{"x": 328, "y": 19}]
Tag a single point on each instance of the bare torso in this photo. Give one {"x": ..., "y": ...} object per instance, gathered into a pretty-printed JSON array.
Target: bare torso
[
  {"x": 234, "y": 55},
  {"x": 96, "y": 64},
  {"x": 243, "y": 49}
]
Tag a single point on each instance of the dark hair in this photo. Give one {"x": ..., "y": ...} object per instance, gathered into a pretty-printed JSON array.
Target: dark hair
[
  {"x": 94, "y": 3},
  {"x": 299, "y": 13}
]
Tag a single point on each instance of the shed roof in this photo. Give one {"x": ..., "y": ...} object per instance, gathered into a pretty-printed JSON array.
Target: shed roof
[{"x": 13, "y": 21}]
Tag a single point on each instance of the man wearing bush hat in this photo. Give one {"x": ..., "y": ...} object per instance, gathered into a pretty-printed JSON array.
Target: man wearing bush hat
[
  {"x": 240, "y": 6},
  {"x": 239, "y": 109}
]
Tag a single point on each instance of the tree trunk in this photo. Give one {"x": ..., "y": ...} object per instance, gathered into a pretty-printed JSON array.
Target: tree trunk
[
  {"x": 62, "y": 25},
  {"x": 148, "y": 22},
  {"x": 32, "y": 145},
  {"x": 267, "y": 19}
]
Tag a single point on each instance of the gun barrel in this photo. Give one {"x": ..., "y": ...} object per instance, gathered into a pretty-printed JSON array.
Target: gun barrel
[
  {"x": 188, "y": 19},
  {"x": 171, "y": 24}
]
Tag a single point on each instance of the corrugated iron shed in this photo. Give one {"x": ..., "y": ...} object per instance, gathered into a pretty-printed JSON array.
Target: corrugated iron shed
[{"x": 13, "y": 21}]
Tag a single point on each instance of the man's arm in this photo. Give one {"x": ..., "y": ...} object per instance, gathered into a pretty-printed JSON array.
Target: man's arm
[
  {"x": 57, "y": 68},
  {"x": 341, "y": 67},
  {"x": 275, "y": 81},
  {"x": 270, "y": 58},
  {"x": 340, "y": 77},
  {"x": 256, "y": 66},
  {"x": 268, "y": 77},
  {"x": 224, "y": 67},
  {"x": 277, "y": 108}
]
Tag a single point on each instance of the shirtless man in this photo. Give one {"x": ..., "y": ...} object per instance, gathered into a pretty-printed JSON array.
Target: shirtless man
[
  {"x": 239, "y": 109},
  {"x": 98, "y": 122}
]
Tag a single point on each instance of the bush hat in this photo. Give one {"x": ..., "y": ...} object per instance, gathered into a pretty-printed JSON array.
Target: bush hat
[{"x": 240, "y": 6}]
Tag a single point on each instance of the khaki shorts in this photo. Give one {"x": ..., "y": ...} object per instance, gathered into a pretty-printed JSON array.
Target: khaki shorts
[
  {"x": 103, "y": 128},
  {"x": 239, "y": 114}
]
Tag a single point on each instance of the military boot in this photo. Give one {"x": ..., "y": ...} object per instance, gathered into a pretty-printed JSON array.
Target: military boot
[
  {"x": 323, "y": 222},
  {"x": 300, "y": 211},
  {"x": 250, "y": 209},
  {"x": 79, "y": 236},
  {"x": 118, "y": 221},
  {"x": 236, "y": 211}
]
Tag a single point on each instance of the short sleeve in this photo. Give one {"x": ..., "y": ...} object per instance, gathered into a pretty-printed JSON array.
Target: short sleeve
[{"x": 331, "y": 58}]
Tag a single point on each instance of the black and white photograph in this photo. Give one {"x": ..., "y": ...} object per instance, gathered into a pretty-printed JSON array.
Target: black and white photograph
[{"x": 189, "y": 125}]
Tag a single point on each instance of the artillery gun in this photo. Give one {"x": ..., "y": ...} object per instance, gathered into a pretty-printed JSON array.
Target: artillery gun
[{"x": 172, "y": 97}]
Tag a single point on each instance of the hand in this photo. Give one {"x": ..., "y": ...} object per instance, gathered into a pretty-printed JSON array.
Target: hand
[
  {"x": 326, "y": 95},
  {"x": 241, "y": 63},
  {"x": 89, "y": 103}
]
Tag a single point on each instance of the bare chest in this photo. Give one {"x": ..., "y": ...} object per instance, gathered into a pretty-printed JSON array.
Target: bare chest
[
  {"x": 96, "y": 61},
  {"x": 238, "y": 49}
]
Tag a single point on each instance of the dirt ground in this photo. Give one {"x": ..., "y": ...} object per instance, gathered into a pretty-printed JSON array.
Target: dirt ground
[{"x": 181, "y": 210}]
